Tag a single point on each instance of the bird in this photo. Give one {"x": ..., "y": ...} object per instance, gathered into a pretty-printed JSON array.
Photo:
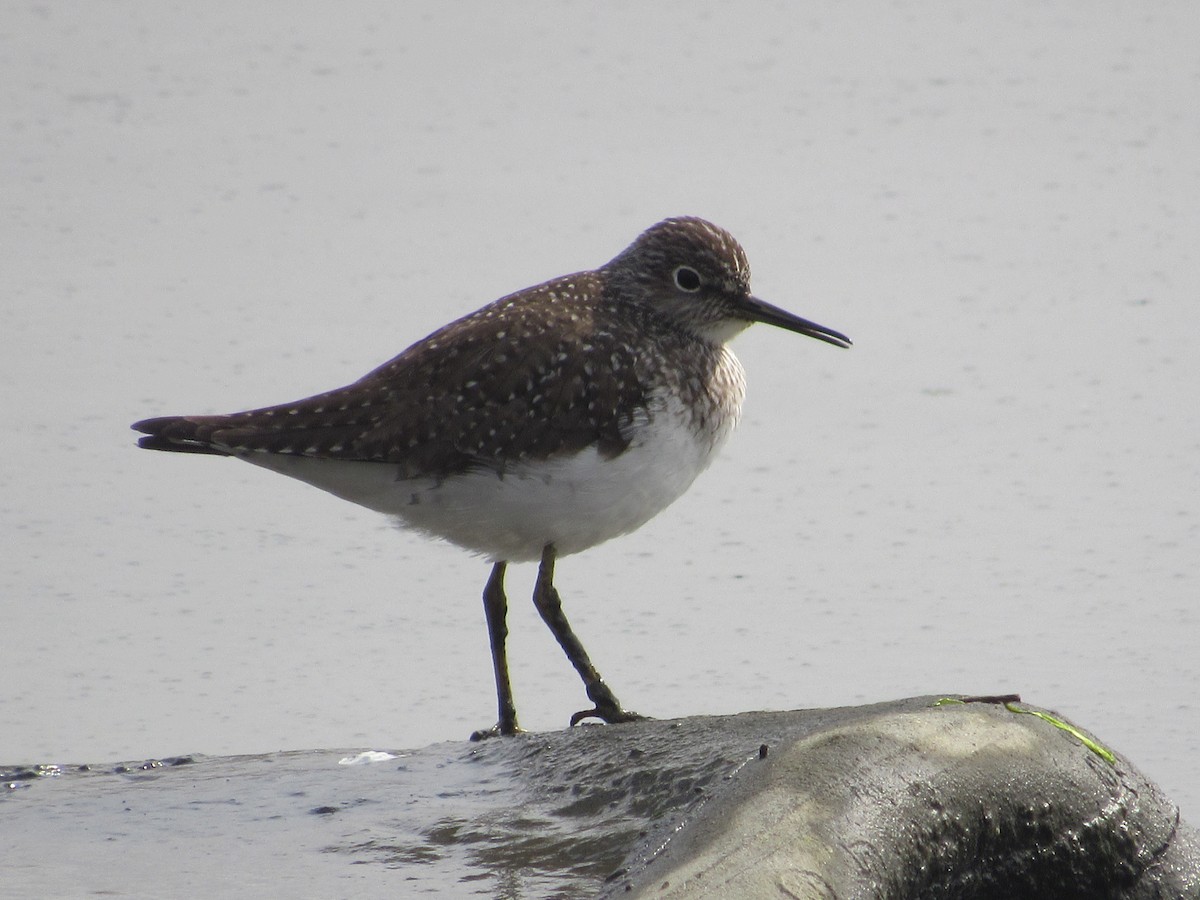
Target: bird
[{"x": 544, "y": 423}]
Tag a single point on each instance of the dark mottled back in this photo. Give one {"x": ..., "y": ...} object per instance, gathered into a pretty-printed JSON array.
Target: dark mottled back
[{"x": 548, "y": 370}]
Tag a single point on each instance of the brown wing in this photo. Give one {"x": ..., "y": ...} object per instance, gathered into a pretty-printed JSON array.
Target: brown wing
[{"x": 527, "y": 377}]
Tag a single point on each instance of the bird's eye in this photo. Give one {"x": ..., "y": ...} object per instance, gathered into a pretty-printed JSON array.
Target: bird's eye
[{"x": 687, "y": 279}]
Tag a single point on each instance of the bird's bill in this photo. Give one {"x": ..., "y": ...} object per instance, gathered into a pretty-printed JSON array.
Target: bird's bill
[{"x": 760, "y": 311}]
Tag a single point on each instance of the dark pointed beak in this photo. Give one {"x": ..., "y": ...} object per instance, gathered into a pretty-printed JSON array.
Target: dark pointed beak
[{"x": 760, "y": 311}]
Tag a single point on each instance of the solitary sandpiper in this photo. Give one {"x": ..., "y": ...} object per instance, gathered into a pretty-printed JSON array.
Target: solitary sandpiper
[{"x": 540, "y": 425}]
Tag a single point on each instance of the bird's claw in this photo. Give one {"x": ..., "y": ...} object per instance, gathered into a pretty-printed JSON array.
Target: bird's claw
[
  {"x": 610, "y": 714},
  {"x": 497, "y": 730}
]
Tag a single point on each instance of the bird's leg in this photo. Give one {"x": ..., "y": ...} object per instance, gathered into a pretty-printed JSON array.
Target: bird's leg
[
  {"x": 495, "y": 607},
  {"x": 549, "y": 605}
]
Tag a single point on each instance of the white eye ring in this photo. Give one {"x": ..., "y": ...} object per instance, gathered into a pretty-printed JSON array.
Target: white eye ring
[{"x": 687, "y": 279}]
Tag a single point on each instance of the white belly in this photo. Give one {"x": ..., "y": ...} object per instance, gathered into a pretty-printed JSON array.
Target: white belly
[{"x": 573, "y": 502}]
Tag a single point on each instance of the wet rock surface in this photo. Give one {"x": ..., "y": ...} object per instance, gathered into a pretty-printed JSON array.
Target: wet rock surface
[{"x": 900, "y": 799}]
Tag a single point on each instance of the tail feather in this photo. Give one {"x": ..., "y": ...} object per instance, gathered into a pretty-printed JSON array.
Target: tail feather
[{"x": 176, "y": 434}]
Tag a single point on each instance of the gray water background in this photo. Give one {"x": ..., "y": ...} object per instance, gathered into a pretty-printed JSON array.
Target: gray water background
[{"x": 208, "y": 207}]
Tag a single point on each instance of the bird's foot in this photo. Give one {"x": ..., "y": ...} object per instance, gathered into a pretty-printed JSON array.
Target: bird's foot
[
  {"x": 607, "y": 708},
  {"x": 500, "y": 729},
  {"x": 610, "y": 714}
]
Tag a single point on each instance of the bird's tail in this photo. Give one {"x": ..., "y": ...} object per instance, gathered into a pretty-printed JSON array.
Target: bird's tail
[{"x": 179, "y": 434}]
